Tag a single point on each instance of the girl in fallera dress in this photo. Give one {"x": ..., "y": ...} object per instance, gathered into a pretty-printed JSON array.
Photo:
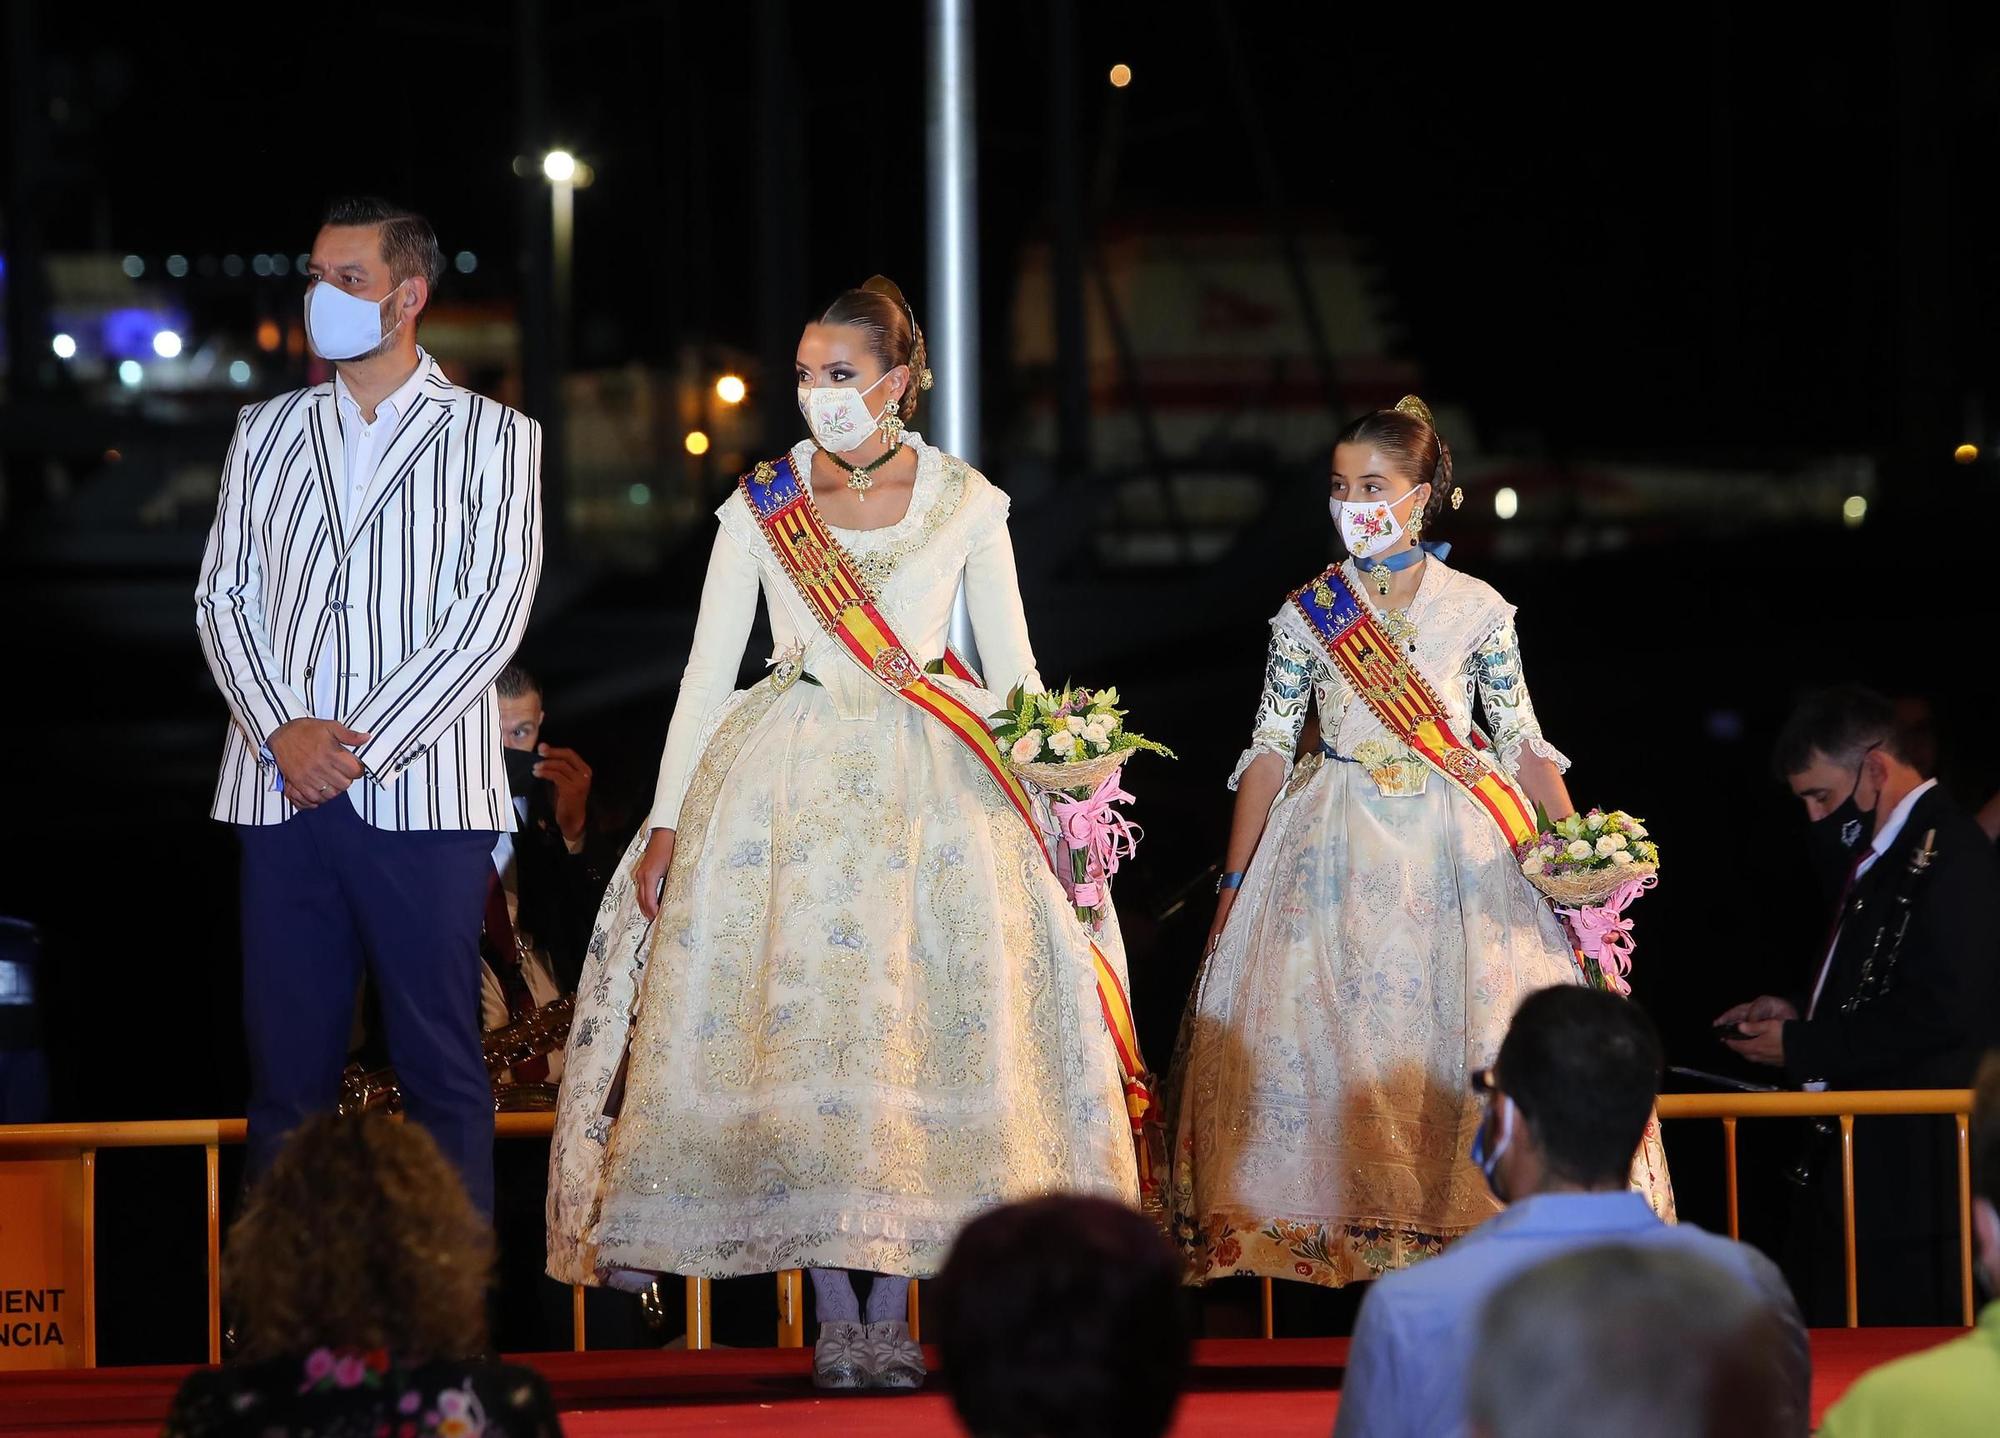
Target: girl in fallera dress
[
  {"x": 1374, "y": 931},
  {"x": 858, "y": 1007}
]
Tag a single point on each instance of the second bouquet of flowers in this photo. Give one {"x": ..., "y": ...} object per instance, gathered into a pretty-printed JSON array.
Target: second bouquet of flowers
[
  {"x": 1593, "y": 865},
  {"x": 1072, "y": 744}
]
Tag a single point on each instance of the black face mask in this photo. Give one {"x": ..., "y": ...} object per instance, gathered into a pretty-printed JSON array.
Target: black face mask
[
  {"x": 521, "y": 770},
  {"x": 1836, "y": 839}
]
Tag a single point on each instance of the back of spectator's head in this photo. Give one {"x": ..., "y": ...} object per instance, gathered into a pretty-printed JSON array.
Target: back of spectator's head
[
  {"x": 360, "y": 1236},
  {"x": 1582, "y": 1066},
  {"x": 1062, "y": 1316},
  {"x": 1986, "y": 1166},
  {"x": 1640, "y": 1342}
]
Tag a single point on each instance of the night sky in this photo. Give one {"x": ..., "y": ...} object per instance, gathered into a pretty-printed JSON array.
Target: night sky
[{"x": 1691, "y": 230}]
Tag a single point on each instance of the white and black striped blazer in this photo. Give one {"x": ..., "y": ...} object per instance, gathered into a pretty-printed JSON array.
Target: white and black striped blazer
[{"x": 423, "y": 593}]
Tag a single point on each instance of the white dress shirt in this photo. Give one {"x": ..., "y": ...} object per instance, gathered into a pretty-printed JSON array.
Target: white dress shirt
[
  {"x": 1884, "y": 840},
  {"x": 363, "y": 443}
]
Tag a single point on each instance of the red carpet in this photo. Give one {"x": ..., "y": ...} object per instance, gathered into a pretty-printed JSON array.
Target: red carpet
[{"x": 1240, "y": 1386}]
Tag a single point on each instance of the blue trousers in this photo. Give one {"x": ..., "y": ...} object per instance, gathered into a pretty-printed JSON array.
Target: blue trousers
[{"x": 326, "y": 895}]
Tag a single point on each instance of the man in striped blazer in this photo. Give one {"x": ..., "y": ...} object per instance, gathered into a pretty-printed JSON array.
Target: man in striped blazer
[{"x": 375, "y": 552}]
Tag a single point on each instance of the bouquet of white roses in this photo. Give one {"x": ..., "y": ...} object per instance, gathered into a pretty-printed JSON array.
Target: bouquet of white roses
[
  {"x": 1593, "y": 865},
  {"x": 1071, "y": 744}
]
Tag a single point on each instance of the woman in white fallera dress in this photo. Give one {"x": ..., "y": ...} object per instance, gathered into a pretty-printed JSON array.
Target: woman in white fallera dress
[
  {"x": 1320, "y": 1105},
  {"x": 865, "y": 1012}
]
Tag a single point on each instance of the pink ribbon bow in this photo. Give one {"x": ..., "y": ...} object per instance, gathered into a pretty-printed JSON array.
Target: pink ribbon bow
[
  {"x": 1604, "y": 936},
  {"x": 1093, "y": 828}
]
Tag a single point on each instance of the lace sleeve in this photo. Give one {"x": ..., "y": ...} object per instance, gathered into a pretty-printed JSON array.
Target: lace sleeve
[
  {"x": 1503, "y": 695},
  {"x": 1281, "y": 711}
]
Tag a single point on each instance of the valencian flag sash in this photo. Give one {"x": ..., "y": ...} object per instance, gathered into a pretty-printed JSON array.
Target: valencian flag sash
[
  {"x": 1395, "y": 692},
  {"x": 827, "y": 580}
]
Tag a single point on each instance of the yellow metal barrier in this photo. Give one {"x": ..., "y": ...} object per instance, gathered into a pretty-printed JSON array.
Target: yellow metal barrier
[
  {"x": 1845, "y": 1107},
  {"x": 85, "y": 1140},
  {"x": 209, "y": 1135}
]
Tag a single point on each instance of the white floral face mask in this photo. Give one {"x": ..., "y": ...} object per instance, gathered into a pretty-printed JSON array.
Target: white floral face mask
[
  {"x": 1369, "y": 526},
  {"x": 839, "y": 416}
]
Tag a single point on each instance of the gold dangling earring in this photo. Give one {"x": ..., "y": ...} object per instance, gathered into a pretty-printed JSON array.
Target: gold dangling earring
[{"x": 892, "y": 425}]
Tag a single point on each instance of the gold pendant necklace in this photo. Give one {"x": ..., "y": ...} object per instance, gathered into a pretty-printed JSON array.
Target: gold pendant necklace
[
  {"x": 861, "y": 477},
  {"x": 1399, "y": 629}
]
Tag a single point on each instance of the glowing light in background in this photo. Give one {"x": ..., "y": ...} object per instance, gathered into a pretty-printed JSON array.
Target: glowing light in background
[
  {"x": 730, "y": 389},
  {"x": 696, "y": 442},
  {"x": 1506, "y": 503}
]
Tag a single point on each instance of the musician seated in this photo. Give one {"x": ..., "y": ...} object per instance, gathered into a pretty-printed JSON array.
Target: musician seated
[
  {"x": 547, "y": 882},
  {"x": 1900, "y": 991}
]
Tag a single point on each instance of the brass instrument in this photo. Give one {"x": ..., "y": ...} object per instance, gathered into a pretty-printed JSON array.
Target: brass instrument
[{"x": 530, "y": 1036}]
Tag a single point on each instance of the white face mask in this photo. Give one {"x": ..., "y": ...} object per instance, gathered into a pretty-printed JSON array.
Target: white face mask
[
  {"x": 340, "y": 326},
  {"x": 1369, "y": 526},
  {"x": 839, "y": 417}
]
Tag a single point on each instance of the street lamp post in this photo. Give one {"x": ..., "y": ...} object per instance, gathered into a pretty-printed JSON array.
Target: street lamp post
[
  {"x": 559, "y": 166},
  {"x": 540, "y": 384},
  {"x": 950, "y": 156}
]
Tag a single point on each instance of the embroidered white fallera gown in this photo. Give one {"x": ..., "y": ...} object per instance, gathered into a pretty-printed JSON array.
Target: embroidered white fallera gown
[
  {"x": 1320, "y": 1104},
  {"x": 867, "y": 1011}
]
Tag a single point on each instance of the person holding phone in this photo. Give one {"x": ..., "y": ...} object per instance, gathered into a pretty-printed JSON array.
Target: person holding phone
[
  {"x": 1899, "y": 992},
  {"x": 551, "y": 875}
]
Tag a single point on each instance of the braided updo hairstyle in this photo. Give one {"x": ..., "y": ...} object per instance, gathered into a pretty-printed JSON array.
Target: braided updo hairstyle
[
  {"x": 1409, "y": 437},
  {"x": 894, "y": 337}
]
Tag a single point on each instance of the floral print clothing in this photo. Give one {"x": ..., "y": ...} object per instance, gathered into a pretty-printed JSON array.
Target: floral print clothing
[
  {"x": 347, "y": 1393},
  {"x": 1320, "y": 1111}
]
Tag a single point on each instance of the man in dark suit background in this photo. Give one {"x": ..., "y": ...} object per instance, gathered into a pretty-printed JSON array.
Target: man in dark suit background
[
  {"x": 1901, "y": 994},
  {"x": 552, "y": 875},
  {"x": 548, "y": 878}
]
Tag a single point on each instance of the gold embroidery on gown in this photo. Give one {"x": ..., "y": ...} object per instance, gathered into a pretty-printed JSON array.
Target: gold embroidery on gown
[
  {"x": 866, "y": 1013},
  {"x": 1319, "y": 1101}
]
